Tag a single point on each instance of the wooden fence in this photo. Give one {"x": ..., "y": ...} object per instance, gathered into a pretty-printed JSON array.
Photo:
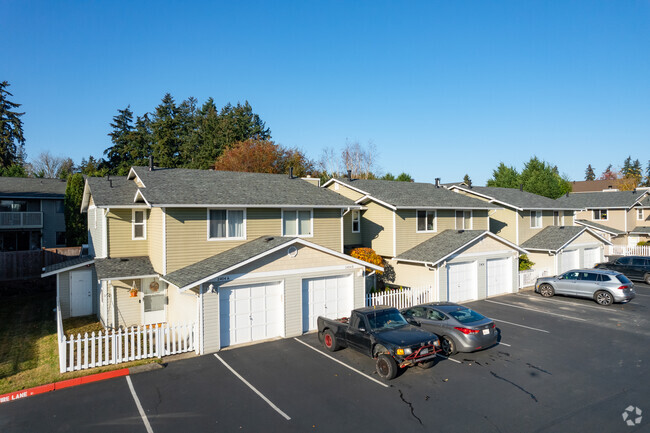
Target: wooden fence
[{"x": 16, "y": 265}]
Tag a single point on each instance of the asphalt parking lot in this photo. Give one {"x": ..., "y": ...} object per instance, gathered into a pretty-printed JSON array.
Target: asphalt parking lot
[{"x": 564, "y": 364}]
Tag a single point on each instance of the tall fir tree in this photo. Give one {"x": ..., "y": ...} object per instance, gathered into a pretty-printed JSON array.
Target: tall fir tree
[
  {"x": 167, "y": 131},
  {"x": 589, "y": 173},
  {"x": 636, "y": 171},
  {"x": 75, "y": 222},
  {"x": 12, "y": 139},
  {"x": 119, "y": 154},
  {"x": 467, "y": 180},
  {"x": 627, "y": 166}
]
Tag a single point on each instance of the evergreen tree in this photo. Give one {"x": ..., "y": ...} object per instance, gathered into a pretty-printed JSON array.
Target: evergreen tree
[
  {"x": 388, "y": 176},
  {"x": 636, "y": 171},
  {"x": 404, "y": 177},
  {"x": 467, "y": 180},
  {"x": 167, "y": 131},
  {"x": 12, "y": 140},
  {"x": 541, "y": 178},
  {"x": 504, "y": 177},
  {"x": 75, "y": 222},
  {"x": 15, "y": 170},
  {"x": 647, "y": 175},
  {"x": 589, "y": 173},
  {"x": 119, "y": 154},
  {"x": 627, "y": 166}
]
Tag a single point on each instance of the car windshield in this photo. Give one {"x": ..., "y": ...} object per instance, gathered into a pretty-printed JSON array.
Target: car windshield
[
  {"x": 386, "y": 319},
  {"x": 465, "y": 315},
  {"x": 623, "y": 279}
]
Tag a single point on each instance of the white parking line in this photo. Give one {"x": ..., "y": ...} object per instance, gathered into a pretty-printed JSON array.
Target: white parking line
[
  {"x": 522, "y": 326},
  {"x": 139, "y": 406},
  {"x": 537, "y": 311},
  {"x": 269, "y": 402},
  {"x": 563, "y": 302},
  {"x": 343, "y": 364},
  {"x": 641, "y": 294},
  {"x": 504, "y": 344},
  {"x": 446, "y": 357}
]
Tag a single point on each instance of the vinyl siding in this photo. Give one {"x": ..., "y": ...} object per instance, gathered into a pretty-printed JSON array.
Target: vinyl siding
[
  {"x": 327, "y": 228},
  {"x": 155, "y": 238},
  {"x": 585, "y": 238},
  {"x": 503, "y": 222},
  {"x": 543, "y": 262},
  {"x": 345, "y": 191},
  {"x": 568, "y": 217},
  {"x": 96, "y": 232},
  {"x": 377, "y": 229},
  {"x": 64, "y": 291},
  {"x": 413, "y": 275},
  {"x": 127, "y": 309},
  {"x": 181, "y": 308},
  {"x": 349, "y": 237},
  {"x": 525, "y": 231},
  {"x": 313, "y": 180},
  {"x": 486, "y": 245},
  {"x": 211, "y": 340},
  {"x": 615, "y": 218},
  {"x": 53, "y": 222},
  {"x": 120, "y": 234}
]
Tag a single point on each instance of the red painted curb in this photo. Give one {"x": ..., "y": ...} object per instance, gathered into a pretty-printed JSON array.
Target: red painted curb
[{"x": 5, "y": 398}]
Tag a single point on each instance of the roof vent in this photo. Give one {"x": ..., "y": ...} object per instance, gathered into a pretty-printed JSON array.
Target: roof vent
[
  {"x": 110, "y": 183},
  {"x": 150, "y": 162},
  {"x": 521, "y": 187},
  {"x": 350, "y": 175},
  {"x": 123, "y": 259},
  {"x": 290, "y": 172},
  {"x": 269, "y": 239},
  {"x": 437, "y": 182}
]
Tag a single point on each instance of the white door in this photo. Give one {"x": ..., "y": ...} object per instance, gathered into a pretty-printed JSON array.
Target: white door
[
  {"x": 330, "y": 297},
  {"x": 250, "y": 313},
  {"x": 499, "y": 276},
  {"x": 154, "y": 300},
  {"x": 461, "y": 282},
  {"x": 569, "y": 260},
  {"x": 591, "y": 257},
  {"x": 81, "y": 296}
]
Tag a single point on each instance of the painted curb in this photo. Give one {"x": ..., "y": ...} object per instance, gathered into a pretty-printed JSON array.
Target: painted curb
[{"x": 5, "y": 398}]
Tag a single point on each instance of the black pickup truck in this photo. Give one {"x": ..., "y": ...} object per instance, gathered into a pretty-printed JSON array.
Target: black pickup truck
[
  {"x": 633, "y": 267},
  {"x": 383, "y": 334}
]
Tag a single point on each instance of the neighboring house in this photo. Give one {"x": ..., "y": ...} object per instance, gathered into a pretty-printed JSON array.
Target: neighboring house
[
  {"x": 594, "y": 185},
  {"x": 431, "y": 237},
  {"x": 245, "y": 256},
  {"x": 542, "y": 226},
  {"x": 621, "y": 216},
  {"x": 31, "y": 213}
]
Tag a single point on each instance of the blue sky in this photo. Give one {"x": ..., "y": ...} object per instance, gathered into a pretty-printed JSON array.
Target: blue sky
[{"x": 442, "y": 88}]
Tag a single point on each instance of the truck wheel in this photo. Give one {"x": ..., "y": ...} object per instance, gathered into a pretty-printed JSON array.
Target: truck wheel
[
  {"x": 546, "y": 290},
  {"x": 425, "y": 365},
  {"x": 448, "y": 346},
  {"x": 329, "y": 340},
  {"x": 386, "y": 367},
  {"x": 604, "y": 298}
]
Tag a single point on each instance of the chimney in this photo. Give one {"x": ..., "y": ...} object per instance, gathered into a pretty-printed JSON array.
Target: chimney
[
  {"x": 437, "y": 182},
  {"x": 350, "y": 175},
  {"x": 150, "y": 163},
  {"x": 290, "y": 172},
  {"x": 521, "y": 187}
]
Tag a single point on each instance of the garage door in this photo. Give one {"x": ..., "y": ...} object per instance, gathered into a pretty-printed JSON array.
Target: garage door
[
  {"x": 499, "y": 276},
  {"x": 461, "y": 282},
  {"x": 250, "y": 313},
  {"x": 331, "y": 297},
  {"x": 591, "y": 257},
  {"x": 569, "y": 260}
]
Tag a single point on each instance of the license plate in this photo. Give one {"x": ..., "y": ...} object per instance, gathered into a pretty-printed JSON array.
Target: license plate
[
  {"x": 424, "y": 351},
  {"x": 486, "y": 331}
]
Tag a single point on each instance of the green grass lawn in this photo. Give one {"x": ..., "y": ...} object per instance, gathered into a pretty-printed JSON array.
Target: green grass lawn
[{"x": 28, "y": 340}]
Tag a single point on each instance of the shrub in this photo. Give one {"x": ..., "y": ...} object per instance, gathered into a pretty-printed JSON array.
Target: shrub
[{"x": 525, "y": 263}]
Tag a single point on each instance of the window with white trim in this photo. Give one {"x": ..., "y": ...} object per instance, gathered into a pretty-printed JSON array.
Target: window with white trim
[
  {"x": 356, "y": 221},
  {"x": 226, "y": 224},
  {"x": 138, "y": 225},
  {"x": 639, "y": 214},
  {"x": 426, "y": 221},
  {"x": 556, "y": 218},
  {"x": 600, "y": 215},
  {"x": 297, "y": 223},
  {"x": 535, "y": 219},
  {"x": 463, "y": 220}
]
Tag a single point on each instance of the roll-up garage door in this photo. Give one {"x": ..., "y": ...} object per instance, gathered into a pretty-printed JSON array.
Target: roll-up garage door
[
  {"x": 331, "y": 297},
  {"x": 569, "y": 260},
  {"x": 461, "y": 282},
  {"x": 499, "y": 276},
  {"x": 591, "y": 257}
]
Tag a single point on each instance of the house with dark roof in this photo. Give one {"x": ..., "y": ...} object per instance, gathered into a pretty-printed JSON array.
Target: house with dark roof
[
  {"x": 31, "y": 213},
  {"x": 623, "y": 217},
  {"x": 430, "y": 237},
  {"x": 543, "y": 226},
  {"x": 244, "y": 256}
]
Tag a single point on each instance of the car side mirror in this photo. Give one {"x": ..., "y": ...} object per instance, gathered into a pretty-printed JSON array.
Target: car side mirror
[
  {"x": 362, "y": 328},
  {"x": 413, "y": 322}
]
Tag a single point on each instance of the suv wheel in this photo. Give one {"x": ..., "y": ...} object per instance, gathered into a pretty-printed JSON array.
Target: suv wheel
[
  {"x": 646, "y": 278},
  {"x": 604, "y": 298},
  {"x": 546, "y": 290}
]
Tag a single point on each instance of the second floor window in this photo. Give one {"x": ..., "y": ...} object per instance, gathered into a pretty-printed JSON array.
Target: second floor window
[
  {"x": 600, "y": 214},
  {"x": 556, "y": 218},
  {"x": 639, "y": 214},
  {"x": 426, "y": 221},
  {"x": 535, "y": 219},
  {"x": 356, "y": 221},
  {"x": 463, "y": 220},
  {"x": 225, "y": 223},
  {"x": 59, "y": 206},
  {"x": 296, "y": 223},
  {"x": 138, "y": 224}
]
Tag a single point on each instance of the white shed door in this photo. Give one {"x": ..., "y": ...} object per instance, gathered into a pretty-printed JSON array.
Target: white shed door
[
  {"x": 569, "y": 260},
  {"x": 591, "y": 257},
  {"x": 250, "y": 313},
  {"x": 81, "y": 297},
  {"x": 331, "y": 297},
  {"x": 499, "y": 276},
  {"x": 461, "y": 282}
]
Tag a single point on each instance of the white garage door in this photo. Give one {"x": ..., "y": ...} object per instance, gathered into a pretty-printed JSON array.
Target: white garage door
[
  {"x": 499, "y": 276},
  {"x": 331, "y": 297},
  {"x": 569, "y": 260},
  {"x": 250, "y": 313},
  {"x": 461, "y": 282},
  {"x": 591, "y": 257}
]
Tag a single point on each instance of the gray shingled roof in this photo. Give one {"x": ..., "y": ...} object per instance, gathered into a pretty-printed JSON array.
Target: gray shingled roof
[
  {"x": 602, "y": 200},
  {"x": 641, "y": 230},
  {"x": 68, "y": 263},
  {"x": 552, "y": 238},
  {"x": 520, "y": 199},
  {"x": 113, "y": 191},
  {"x": 600, "y": 227},
  {"x": 440, "y": 246},
  {"x": 124, "y": 267},
  {"x": 416, "y": 194},
  {"x": 25, "y": 187},
  {"x": 222, "y": 261}
]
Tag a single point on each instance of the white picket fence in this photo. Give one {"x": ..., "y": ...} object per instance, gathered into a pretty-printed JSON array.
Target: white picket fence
[
  {"x": 527, "y": 278},
  {"x": 401, "y": 298},
  {"x": 117, "y": 346},
  {"x": 622, "y": 250}
]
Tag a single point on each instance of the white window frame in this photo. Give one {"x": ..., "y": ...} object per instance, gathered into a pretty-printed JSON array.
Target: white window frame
[
  {"x": 471, "y": 220},
  {"x": 426, "y": 216},
  {"x": 143, "y": 224},
  {"x": 560, "y": 218},
  {"x": 311, "y": 220},
  {"x": 533, "y": 220},
  {"x": 357, "y": 219},
  {"x": 593, "y": 215},
  {"x": 226, "y": 238},
  {"x": 639, "y": 214}
]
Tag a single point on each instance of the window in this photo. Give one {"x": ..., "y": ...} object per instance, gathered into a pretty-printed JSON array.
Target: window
[
  {"x": 426, "y": 221},
  {"x": 463, "y": 220},
  {"x": 138, "y": 225},
  {"x": 624, "y": 261},
  {"x": 435, "y": 315},
  {"x": 60, "y": 238},
  {"x": 639, "y": 214},
  {"x": 556, "y": 218},
  {"x": 356, "y": 221},
  {"x": 417, "y": 312},
  {"x": 588, "y": 276},
  {"x": 59, "y": 206},
  {"x": 226, "y": 224},
  {"x": 535, "y": 219},
  {"x": 600, "y": 215},
  {"x": 571, "y": 276},
  {"x": 296, "y": 223}
]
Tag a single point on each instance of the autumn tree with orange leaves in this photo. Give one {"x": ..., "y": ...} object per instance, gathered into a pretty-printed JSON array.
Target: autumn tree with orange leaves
[{"x": 264, "y": 156}]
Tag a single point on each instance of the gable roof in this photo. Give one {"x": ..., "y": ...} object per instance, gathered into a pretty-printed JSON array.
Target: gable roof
[
  {"x": 219, "y": 264},
  {"x": 438, "y": 248},
  {"x": 641, "y": 231},
  {"x": 67, "y": 265},
  {"x": 603, "y": 199},
  {"x": 514, "y": 197},
  {"x": 411, "y": 195},
  {"x": 26, "y": 187},
  {"x": 110, "y": 192},
  {"x": 554, "y": 238},
  {"x": 124, "y": 268},
  {"x": 600, "y": 227}
]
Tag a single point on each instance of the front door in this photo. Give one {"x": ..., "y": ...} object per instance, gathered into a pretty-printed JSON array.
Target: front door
[
  {"x": 81, "y": 297},
  {"x": 154, "y": 300}
]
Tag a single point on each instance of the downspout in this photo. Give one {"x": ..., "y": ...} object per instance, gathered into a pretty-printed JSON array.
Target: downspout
[
  {"x": 105, "y": 243},
  {"x": 343, "y": 213},
  {"x": 164, "y": 241}
]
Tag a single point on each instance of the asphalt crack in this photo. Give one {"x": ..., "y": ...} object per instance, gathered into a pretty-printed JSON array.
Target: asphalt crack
[
  {"x": 410, "y": 405},
  {"x": 513, "y": 384},
  {"x": 538, "y": 369}
]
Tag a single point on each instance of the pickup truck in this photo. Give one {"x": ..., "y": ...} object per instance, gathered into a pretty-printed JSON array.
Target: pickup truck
[{"x": 383, "y": 334}]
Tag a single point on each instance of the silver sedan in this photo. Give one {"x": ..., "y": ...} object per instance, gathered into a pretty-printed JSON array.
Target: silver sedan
[{"x": 603, "y": 286}]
